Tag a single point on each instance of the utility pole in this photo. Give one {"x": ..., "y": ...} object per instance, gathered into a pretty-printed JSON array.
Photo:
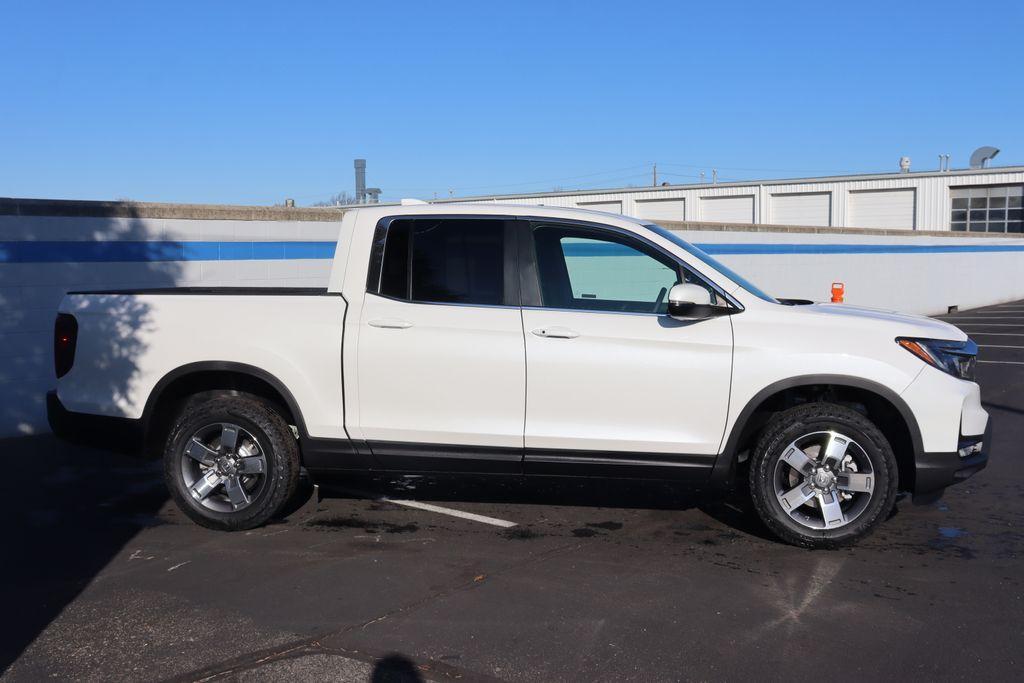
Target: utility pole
[
  {"x": 655, "y": 172},
  {"x": 714, "y": 176}
]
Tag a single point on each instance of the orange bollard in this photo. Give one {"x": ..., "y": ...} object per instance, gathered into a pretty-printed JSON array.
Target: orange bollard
[{"x": 837, "y": 292}]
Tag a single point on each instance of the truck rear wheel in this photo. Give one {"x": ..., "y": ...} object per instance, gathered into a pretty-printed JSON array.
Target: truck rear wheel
[
  {"x": 822, "y": 475},
  {"x": 231, "y": 461}
]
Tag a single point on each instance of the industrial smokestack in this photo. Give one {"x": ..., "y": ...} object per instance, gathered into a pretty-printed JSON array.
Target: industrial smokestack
[{"x": 360, "y": 181}]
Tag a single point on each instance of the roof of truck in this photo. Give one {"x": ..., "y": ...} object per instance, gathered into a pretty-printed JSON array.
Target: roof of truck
[{"x": 492, "y": 209}]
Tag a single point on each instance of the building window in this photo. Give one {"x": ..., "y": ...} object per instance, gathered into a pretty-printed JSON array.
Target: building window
[{"x": 987, "y": 209}]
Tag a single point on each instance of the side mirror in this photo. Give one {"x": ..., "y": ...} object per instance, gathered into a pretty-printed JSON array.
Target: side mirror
[{"x": 693, "y": 302}]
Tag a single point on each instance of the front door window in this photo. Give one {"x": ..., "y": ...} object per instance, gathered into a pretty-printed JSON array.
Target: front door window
[
  {"x": 595, "y": 270},
  {"x": 588, "y": 270}
]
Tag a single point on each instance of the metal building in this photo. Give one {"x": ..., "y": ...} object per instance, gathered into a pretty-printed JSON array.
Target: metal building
[{"x": 979, "y": 200}]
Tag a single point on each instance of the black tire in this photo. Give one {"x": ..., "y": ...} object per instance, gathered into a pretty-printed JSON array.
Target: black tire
[
  {"x": 789, "y": 426},
  {"x": 277, "y": 443}
]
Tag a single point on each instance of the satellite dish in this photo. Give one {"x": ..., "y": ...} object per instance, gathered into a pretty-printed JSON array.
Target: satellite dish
[{"x": 980, "y": 156}]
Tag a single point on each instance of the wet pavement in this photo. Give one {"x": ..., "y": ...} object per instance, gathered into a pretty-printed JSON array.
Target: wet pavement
[{"x": 102, "y": 578}]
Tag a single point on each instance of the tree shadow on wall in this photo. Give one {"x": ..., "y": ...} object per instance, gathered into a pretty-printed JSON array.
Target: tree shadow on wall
[{"x": 68, "y": 510}]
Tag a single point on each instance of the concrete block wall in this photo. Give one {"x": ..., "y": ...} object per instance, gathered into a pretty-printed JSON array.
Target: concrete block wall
[
  {"x": 906, "y": 271},
  {"x": 50, "y": 247}
]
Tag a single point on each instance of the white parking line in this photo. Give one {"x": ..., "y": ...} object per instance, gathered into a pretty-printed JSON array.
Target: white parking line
[
  {"x": 990, "y": 317},
  {"x": 448, "y": 511},
  {"x": 994, "y": 325},
  {"x": 1003, "y": 362},
  {"x": 996, "y": 346},
  {"x": 998, "y": 334}
]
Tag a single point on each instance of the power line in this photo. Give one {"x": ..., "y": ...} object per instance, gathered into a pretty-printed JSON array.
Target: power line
[
  {"x": 756, "y": 170},
  {"x": 460, "y": 190},
  {"x": 601, "y": 185},
  {"x": 554, "y": 180},
  {"x": 392, "y": 191}
]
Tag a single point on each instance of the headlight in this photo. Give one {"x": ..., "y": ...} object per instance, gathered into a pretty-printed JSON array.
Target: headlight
[{"x": 956, "y": 358}]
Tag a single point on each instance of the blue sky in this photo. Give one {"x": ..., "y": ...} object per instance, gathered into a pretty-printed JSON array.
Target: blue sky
[{"x": 253, "y": 102}]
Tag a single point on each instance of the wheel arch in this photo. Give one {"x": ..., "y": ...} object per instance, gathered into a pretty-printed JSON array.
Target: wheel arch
[
  {"x": 883, "y": 405},
  {"x": 185, "y": 381}
]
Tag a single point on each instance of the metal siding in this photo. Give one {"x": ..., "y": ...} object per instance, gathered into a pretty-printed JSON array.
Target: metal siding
[
  {"x": 883, "y": 208},
  {"x": 661, "y": 209},
  {"x": 932, "y": 204},
  {"x": 809, "y": 208},
  {"x": 609, "y": 207},
  {"x": 727, "y": 209}
]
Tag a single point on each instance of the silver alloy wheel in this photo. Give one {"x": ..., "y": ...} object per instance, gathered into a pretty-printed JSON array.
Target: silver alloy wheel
[
  {"x": 223, "y": 467},
  {"x": 824, "y": 480}
]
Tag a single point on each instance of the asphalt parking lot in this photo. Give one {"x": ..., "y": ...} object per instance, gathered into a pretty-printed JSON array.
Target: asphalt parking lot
[{"x": 102, "y": 578}]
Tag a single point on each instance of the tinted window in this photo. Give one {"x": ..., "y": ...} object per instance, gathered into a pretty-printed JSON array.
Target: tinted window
[
  {"x": 394, "y": 272},
  {"x": 590, "y": 270},
  {"x": 444, "y": 261}
]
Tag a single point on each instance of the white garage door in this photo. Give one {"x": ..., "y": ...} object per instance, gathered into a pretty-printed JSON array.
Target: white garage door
[
  {"x": 610, "y": 207},
  {"x": 661, "y": 209},
  {"x": 801, "y": 209},
  {"x": 727, "y": 209},
  {"x": 881, "y": 209}
]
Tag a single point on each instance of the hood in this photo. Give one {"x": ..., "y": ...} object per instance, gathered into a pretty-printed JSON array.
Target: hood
[{"x": 911, "y": 325}]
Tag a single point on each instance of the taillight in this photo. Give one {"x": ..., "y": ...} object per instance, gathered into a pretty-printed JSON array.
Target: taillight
[{"x": 65, "y": 338}]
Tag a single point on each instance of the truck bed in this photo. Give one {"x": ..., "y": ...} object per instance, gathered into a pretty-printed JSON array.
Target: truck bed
[{"x": 223, "y": 291}]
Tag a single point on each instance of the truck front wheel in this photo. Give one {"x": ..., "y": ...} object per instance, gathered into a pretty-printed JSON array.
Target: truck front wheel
[
  {"x": 822, "y": 475},
  {"x": 231, "y": 461}
]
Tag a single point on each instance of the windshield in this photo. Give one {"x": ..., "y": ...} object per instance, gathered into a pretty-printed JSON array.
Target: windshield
[{"x": 714, "y": 263}]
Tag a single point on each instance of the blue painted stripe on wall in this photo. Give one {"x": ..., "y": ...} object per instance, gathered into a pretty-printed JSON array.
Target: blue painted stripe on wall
[
  {"x": 610, "y": 249},
  {"x": 119, "y": 252}
]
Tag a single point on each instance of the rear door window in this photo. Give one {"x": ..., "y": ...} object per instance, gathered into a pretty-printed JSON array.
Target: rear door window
[{"x": 458, "y": 261}]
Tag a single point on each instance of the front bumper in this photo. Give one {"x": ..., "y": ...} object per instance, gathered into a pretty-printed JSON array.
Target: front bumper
[
  {"x": 120, "y": 434},
  {"x": 935, "y": 471}
]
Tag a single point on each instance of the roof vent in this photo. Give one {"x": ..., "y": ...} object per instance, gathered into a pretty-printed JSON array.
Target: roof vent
[
  {"x": 904, "y": 164},
  {"x": 980, "y": 157}
]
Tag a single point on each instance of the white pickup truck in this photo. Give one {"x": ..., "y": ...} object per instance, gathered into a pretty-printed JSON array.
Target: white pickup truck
[{"x": 524, "y": 340}]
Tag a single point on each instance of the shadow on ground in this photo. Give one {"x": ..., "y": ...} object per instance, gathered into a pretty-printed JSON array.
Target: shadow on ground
[
  {"x": 732, "y": 510},
  {"x": 395, "y": 668},
  {"x": 68, "y": 511}
]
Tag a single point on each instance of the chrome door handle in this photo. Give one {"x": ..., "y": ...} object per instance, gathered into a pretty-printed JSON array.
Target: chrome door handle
[
  {"x": 390, "y": 323},
  {"x": 556, "y": 332}
]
